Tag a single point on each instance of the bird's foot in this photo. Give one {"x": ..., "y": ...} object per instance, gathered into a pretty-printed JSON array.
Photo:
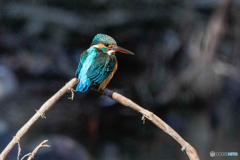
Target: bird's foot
[{"x": 70, "y": 89}]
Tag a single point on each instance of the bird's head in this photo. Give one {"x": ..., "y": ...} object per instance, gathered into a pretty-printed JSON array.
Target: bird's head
[{"x": 108, "y": 45}]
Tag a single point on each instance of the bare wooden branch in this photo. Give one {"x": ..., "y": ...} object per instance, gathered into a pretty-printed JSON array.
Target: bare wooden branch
[
  {"x": 191, "y": 152},
  {"x": 39, "y": 113},
  {"x": 215, "y": 30}
]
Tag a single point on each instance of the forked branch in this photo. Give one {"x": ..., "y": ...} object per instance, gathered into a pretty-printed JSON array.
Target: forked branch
[
  {"x": 191, "y": 152},
  {"x": 32, "y": 154}
]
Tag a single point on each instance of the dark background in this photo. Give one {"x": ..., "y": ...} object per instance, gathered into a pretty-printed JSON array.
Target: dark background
[{"x": 186, "y": 70}]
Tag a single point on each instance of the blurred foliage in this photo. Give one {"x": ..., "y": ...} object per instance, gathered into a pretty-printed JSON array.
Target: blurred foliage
[{"x": 185, "y": 69}]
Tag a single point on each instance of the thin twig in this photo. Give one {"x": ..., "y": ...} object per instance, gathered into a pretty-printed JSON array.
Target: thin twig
[
  {"x": 19, "y": 150},
  {"x": 26, "y": 156},
  {"x": 32, "y": 154},
  {"x": 36, "y": 116},
  {"x": 37, "y": 148}
]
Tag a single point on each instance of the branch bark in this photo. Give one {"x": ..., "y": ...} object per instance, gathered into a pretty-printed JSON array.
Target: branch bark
[
  {"x": 191, "y": 152},
  {"x": 39, "y": 113}
]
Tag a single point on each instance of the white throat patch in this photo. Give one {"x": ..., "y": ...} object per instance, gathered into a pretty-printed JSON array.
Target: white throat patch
[{"x": 110, "y": 52}]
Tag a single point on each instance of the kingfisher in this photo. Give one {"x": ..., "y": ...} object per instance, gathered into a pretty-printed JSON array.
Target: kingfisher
[{"x": 98, "y": 64}]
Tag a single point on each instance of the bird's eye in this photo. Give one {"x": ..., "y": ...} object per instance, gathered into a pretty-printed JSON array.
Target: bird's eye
[{"x": 110, "y": 45}]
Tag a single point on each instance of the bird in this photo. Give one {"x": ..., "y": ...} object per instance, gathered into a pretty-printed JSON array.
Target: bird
[{"x": 98, "y": 63}]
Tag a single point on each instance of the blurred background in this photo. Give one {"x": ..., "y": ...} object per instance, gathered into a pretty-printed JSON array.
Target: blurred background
[{"x": 186, "y": 70}]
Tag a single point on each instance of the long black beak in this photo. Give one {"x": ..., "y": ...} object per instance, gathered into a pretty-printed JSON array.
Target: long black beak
[{"x": 122, "y": 50}]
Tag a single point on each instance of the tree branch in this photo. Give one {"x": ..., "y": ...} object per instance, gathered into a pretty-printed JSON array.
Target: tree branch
[
  {"x": 191, "y": 152},
  {"x": 39, "y": 113}
]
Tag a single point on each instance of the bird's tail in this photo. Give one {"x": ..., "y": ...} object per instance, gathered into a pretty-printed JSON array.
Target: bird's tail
[{"x": 83, "y": 85}]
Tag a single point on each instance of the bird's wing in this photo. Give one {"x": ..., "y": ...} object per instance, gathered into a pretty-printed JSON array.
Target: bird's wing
[
  {"x": 82, "y": 59},
  {"x": 101, "y": 68}
]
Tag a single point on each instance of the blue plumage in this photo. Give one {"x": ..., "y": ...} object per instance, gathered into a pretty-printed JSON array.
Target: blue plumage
[
  {"x": 98, "y": 64},
  {"x": 84, "y": 81}
]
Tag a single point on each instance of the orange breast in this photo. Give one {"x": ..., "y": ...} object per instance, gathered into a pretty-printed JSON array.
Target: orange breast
[{"x": 107, "y": 80}]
